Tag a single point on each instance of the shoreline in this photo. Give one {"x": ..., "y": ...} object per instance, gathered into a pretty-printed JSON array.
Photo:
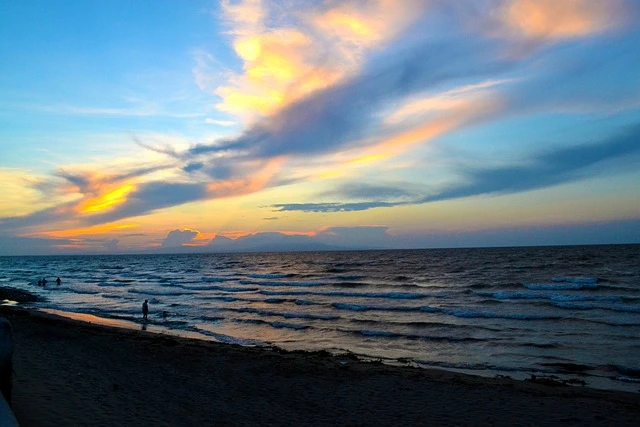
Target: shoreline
[
  {"x": 69, "y": 372},
  {"x": 554, "y": 379}
]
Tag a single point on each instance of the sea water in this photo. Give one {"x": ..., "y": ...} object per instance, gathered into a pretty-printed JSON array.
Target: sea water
[{"x": 569, "y": 312}]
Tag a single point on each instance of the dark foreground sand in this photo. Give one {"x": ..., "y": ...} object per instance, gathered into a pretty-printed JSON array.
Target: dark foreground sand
[{"x": 69, "y": 373}]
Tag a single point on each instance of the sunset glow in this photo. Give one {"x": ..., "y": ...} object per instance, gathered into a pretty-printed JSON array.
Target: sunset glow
[{"x": 131, "y": 127}]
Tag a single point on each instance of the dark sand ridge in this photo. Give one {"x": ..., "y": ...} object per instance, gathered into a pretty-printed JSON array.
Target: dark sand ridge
[{"x": 71, "y": 373}]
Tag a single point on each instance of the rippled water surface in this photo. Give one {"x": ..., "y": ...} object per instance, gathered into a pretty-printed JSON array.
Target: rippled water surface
[{"x": 573, "y": 312}]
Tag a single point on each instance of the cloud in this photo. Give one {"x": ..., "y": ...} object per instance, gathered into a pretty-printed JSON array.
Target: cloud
[
  {"x": 286, "y": 59},
  {"x": 342, "y": 114},
  {"x": 331, "y": 207},
  {"x": 150, "y": 197},
  {"x": 179, "y": 237},
  {"x": 330, "y": 238},
  {"x": 547, "y": 169},
  {"x": 136, "y": 111},
  {"x": 219, "y": 122},
  {"x": 327, "y": 91},
  {"x": 562, "y": 165},
  {"x": 360, "y": 191},
  {"x": 553, "y": 19},
  {"x": 192, "y": 167}
]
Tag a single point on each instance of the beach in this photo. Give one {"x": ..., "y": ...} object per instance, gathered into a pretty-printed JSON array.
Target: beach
[{"x": 69, "y": 372}]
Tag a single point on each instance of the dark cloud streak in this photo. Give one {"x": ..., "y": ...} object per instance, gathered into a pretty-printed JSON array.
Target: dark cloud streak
[
  {"x": 153, "y": 196},
  {"x": 563, "y": 165}
]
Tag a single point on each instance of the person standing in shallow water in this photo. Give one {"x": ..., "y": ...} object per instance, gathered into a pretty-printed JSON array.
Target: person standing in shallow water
[{"x": 145, "y": 309}]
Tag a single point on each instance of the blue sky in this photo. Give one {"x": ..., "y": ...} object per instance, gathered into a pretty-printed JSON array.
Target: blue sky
[{"x": 137, "y": 126}]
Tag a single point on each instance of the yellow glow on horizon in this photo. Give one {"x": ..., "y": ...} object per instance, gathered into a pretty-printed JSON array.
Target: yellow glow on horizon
[
  {"x": 108, "y": 200},
  {"x": 94, "y": 230},
  {"x": 299, "y": 233}
]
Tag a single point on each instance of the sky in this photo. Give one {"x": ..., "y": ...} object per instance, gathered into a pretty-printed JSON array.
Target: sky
[{"x": 160, "y": 125}]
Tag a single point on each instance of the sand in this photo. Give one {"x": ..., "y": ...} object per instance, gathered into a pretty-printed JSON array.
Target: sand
[{"x": 70, "y": 373}]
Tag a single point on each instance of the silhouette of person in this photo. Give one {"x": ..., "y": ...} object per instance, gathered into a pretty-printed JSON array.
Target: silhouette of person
[
  {"x": 39, "y": 282},
  {"x": 44, "y": 282},
  {"x": 145, "y": 309},
  {"x": 58, "y": 281}
]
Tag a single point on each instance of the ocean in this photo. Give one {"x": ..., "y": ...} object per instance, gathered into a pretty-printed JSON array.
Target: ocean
[{"x": 569, "y": 313}]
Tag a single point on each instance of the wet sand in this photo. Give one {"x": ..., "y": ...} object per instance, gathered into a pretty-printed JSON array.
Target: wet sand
[{"x": 71, "y": 373}]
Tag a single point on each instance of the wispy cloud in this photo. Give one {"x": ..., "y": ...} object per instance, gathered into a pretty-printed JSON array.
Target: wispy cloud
[
  {"x": 319, "y": 85},
  {"x": 285, "y": 60},
  {"x": 333, "y": 207},
  {"x": 146, "y": 110},
  {"x": 547, "y": 169},
  {"x": 562, "y": 165},
  {"x": 219, "y": 122},
  {"x": 562, "y": 19}
]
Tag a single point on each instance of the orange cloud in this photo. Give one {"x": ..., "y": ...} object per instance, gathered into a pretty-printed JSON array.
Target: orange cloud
[
  {"x": 367, "y": 24},
  {"x": 316, "y": 49},
  {"x": 249, "y": 184},
  {"x": 421, "y": 120},
  {"x": 95, "y": 230},
  {"x": 558, "y": 19}
]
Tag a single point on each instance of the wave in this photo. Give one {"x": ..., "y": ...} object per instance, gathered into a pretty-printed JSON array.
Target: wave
[
  {"x": 271, "y": 276},
  {"x": 474, "y": 366},
  {"x": 552, "y": 297},
  {"x": 614, "y": 307},
  {"x": 622, "y": 323},
  {"x": 569, "y": 367},
  {"x": 494, "y": 315},
  {"x": 79, "y": 291},
  {"x": 349, "y": 278},
  {"x": 212, "y": 318},
  {"x": 229, "y": 339},
  {"x": 304, "y": 302},
  {"x": 462, "y": 313},
  {"x": 278, "y": 325},
  {"x": 215, "y": 288},
  {"x": 216, "y": 279},
  {"x": 560, "y": 286},
  {"x": 628, "y": 371},
  {"x": 277, "y": 283},
  {"x": 113, "y": 284},
  {"x": 540, "y": 345},
  {"x": 350, "y": 284},
  {"x": 399, "y": 335},
  {"x": 576, "y": 280},
  {"x": 159, "y": 292},
  {"x": 359, "y": 307},
  {"x": 278, "y": 300},
  {"x": 221, "y": 298},
  {"x": 286, "y": 315},
  {"x": 390, "y": 295},
  {"x": 425, "y": 325}
]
